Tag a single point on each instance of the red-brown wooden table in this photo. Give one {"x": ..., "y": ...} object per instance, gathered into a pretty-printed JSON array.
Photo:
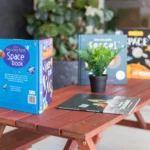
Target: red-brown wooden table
[{"x": 82, "y": 128}]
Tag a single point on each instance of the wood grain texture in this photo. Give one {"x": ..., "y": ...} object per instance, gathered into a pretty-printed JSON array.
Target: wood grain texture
[
  {"x": 2, "y": 128},
  {"x": 76, "y": 124},
  {"x": 97, "y": 138},
  {"x": 86, "y": 145},
  {"x": 96, "y": 123},
  {"x": 3, "y": 111},
  {"x": 65, "y": 96},
  {"x": 70, "y": 145},
  {"x": 133, "y": 124},
  {"x": 11, "y": 117},
  {"x": 140, "y": 120},
  {"x": 54, "y": 126},
  {"x": 59, "y": 97},
  {"x": 32, "y": 121},
  {"x": 19, "y": 139}
]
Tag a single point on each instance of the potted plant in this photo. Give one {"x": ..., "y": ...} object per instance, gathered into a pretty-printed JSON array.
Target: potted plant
[
  {"x": 97, "y": 60},
  {"x": 63, "y": 20}
]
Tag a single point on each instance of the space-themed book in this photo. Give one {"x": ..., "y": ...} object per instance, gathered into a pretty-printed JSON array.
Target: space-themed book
[
  {"x": 116, "y": 70},
  {"x": 26, "y": 74},
  {"x": 138, "y": 53},
  {"x": 101, "y": 103}
]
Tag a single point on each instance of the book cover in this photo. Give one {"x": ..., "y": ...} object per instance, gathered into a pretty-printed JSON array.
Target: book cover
[
  {"x": 26, "y": 74},
  {"x": 138, "y": 53},
  {"x": 101, "y": 103},
  {"x": 116, "y": 71}
]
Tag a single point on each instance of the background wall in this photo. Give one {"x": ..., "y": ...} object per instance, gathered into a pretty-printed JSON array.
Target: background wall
[{"x": 12, "y": 21}]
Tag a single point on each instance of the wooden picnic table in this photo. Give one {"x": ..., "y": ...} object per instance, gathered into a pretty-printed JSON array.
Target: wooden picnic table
[{"x": 82, "y": 128}]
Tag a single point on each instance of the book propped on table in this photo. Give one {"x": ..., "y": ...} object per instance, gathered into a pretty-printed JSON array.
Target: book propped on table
[{"x": 101, "y": 103}]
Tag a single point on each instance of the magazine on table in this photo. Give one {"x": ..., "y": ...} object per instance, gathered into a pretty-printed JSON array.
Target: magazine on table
[{"x": 101, "y": 103}]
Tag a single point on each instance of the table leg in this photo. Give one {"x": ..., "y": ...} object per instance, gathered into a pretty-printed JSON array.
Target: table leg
[
  {"x": 96, "y": 138},
  {"x": 2, "y": 128},
  {"x": 87, "y": 144},
  {"x": 70, "y": 145},
  {"x": 140, "y": 120}
]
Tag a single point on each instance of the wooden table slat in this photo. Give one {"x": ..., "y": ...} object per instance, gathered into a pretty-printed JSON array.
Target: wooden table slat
[
  {"x": 48, "y": 125},
  {"x": 98, "y": 122},
  {"x": 10, "y": 118},
  {"x": 53, "y": 126},
  {"x": 3, "y": 111},
  {"x": 59, "y": 97},
  {"x": 31, "y": 122}
]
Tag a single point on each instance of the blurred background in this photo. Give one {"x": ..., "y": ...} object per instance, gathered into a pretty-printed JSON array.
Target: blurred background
[
  {"x": 64, "y": 20},
  {"x": 127, "y": 13}
]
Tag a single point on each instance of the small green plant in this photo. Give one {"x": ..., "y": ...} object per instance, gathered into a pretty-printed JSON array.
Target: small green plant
[{"x": 98, "y": 58}]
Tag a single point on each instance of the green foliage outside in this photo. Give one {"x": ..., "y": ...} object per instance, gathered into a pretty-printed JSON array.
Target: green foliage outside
[
  {"x": 98, "y": 58},
  {"x": 63, "y": 20}
]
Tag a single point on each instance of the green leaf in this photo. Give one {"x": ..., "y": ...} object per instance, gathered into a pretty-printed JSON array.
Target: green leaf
[
  {"x": 62, "y": 49},
  {"x": 80, "y": 3},
  {"x": 57, "y": 19},
  {"x": 59, "y": 10},
  {"x": 30, "y": 29},
  {"x": 108, "y": 15},
  {"x": 72, "y": 40},
  {"x": 30, "y": 19},
  {"x": 41, "y": 15},
  {"x": 93, "y": 20},
  {"x": 66, "y": 29},
  {"x": 93, "y": 3},
  {"x": 48, "y": 30},
  {"x": 98, "y": 58},
  {"x": 68, "y": 15},
  {"x": 46, "y": 5}
]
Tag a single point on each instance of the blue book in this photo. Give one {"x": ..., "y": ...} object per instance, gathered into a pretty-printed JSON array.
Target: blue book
[
  {"x": 116, "y": 70},
  {"x": 26, "y": 74}
]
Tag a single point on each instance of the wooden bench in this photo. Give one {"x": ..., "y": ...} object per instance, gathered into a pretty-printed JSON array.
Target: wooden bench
[{"x": 19, "y": 139}]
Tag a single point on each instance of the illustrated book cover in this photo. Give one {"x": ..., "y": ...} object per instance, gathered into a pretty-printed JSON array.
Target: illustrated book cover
[
  {"x": 101, "y": 103},
  {"x": 116, "y": 70},
  {"x": 138, "y": 53},
  {"x": 26, "y": 76}
]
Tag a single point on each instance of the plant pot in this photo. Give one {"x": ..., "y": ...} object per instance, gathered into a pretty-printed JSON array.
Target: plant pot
[{"x": 98, "y": 84}]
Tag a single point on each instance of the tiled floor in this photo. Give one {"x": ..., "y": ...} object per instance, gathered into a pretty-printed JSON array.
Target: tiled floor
[{"x": 115, "y": 138}]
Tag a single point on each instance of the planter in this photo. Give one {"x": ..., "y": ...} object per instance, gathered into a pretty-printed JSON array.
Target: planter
[
  {"x": 65, "y": 73},
  {"x": 98, "y": 84}
]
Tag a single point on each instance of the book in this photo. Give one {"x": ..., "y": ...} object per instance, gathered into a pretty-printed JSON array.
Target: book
[
  {"x": 116, "y": 70},
  {"x": 101, "y": 103},
  {"x": 26, "y": 74},
  {"x": 138, "y": 59}
]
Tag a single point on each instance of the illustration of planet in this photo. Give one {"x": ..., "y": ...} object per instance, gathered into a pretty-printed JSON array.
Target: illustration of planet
[
  {"x": 2, "y": 54},
  {"x": 148, "y": 48},
  {"x": 115, "y": 62},
  {"x": 138, "y": 53}
]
